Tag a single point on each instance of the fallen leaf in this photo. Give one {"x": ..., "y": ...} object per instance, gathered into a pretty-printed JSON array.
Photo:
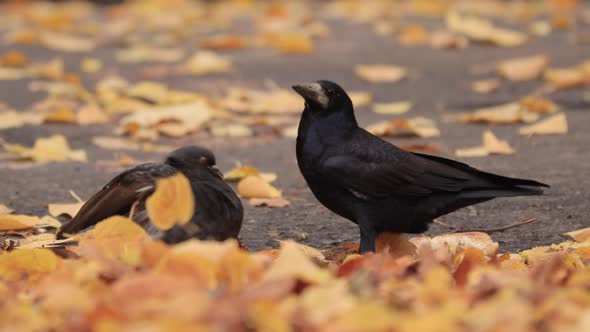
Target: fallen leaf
[
  {"x": 232, "y": 130},
  {"x": 91, "y": 114},
  {"x": 171, "y": 203},
  {"x": 360, "y": 98},
  {"x": 380, "y": 73},
  {"x": 500, "y": 114},
  {"x": 485, "y": 86},
  {"x": 69, "y": 209},
  {"x": 17, "y": 221},
  {"x": 481, "y": 30},
  {"x": 207, "y": 62},
  {"x": 115, "y": 143},
  {"x": 66, "y": 43},
  {"x": 257, "y": 187},
  {"x": 538, "y": 104},
  {"x": 413, "y": 34},
  {"x": 447, "y": 39},
  {"x": 293, "y": 261},
  {"x": 243, "y": 171},
  {"x": 226, "y": 42},
  {"x": 491, "y": 145},
  {"x": 524, "y": 68},
  {"x": 396, "y": 244},
  {"x": 478, "y": 240},
  {"x": 257, "y": 102},
  {"x": 141, "y": 54},
  {"x": 13, "y": 59},
  {"x": 415, "y": 127},
  {"x": 540, "y": 28},
  {"x": 555, "y": 124},
  {"x": 399, "y": 107},
  {"x": 580, "y": 235},
  {"x": 31, "y": 264},
  {"x": 293, "y": 43},
  {"x": 5, "y": 209},
  {"x": 564, "y": 78},
  {"x": 270, "y": 202},
  {"x": 91, "y": 65},
  {"x": 13, "y": 119},
  {"x": 61, "y": 115},
  {"x": 51, "y": 149}
]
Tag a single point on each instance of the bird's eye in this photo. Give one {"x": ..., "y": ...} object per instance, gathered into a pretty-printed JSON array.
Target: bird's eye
[{"x": 203, "y": 160}]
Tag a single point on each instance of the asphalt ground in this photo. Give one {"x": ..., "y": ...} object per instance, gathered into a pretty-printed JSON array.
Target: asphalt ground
[{"x": 438, "y": 84}]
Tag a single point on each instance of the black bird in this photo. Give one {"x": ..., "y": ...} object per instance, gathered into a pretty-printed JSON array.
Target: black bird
[
  {"x": 377, "y": 185},
  {"x": 218, "y": 210}
]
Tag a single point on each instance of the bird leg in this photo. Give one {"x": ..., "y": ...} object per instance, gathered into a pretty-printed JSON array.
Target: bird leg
[{"x": 368, "y": 236}]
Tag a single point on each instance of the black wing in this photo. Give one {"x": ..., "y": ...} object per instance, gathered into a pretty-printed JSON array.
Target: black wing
[
  {"x": 117, "y": 196},
  {"x": 370, "y": 167}
]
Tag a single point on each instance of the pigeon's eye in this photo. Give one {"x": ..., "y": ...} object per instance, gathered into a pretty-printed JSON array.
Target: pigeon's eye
[{"x": 203, "y": 161}]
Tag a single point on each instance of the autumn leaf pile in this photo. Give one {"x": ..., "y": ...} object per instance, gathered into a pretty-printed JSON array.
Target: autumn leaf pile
[{"x": 117, "y": 278}]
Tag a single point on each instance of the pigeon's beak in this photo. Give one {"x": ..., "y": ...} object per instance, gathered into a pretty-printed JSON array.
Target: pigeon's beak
[{"x": 313, "y": 93}]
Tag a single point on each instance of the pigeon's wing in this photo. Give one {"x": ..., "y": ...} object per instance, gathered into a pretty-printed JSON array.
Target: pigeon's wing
[{"x": 117, "y": 196}]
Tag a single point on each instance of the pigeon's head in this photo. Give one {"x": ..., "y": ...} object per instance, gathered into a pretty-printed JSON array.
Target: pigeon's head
[
  {"x": 324, "y": 96},
  {"x": 193, "y": 157}
]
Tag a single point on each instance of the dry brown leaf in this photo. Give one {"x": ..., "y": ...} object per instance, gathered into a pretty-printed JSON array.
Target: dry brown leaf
[
  {"x": 17, "y": 221},
  {"x": 523, "y": 68},
  {"x": 66, "y": 43},
  {"x": 491, "y": 145},
  {"x": 415, "y": 127},
  {"x": 231, "y": 130},
  {"x": 91, "y": 114},
  {"x": 413, "y": 34},
  {"x": 270, "y": 202},
  {"x": 501, "y": 114},
  {"x": 226, "y": 42},
  {"x": 294, "y": 43},
  {"x": 172, "y": 203},
  {"x": 257, "y": 187},
  {"x": 91, "y": 65},
  {"x": 538, "y": 104},
  {"x": 380, "y": 73},
  {"x": 360, "y": 98},
  {"x": 481, "y": 30},
  {"x": 29, "y": 264},
  {"x": 447, "y": 39},
  {"x": 580, "y": 235},
  {"x": 141, "y": 54},
  {"x": 564, "y": 78},
  {"x": 243, "y": 171},
  {"x": 51, "y": 149},
  {"x": 555, "y": 124},
  {"x": 399, "y": 107},
  {"x": 485, "y": 86},
  {"x": 294, "y": 262},
  {"x": 69, "y": 209},
  {"x": 207, "y": 62},
  {"x": 61, "y": 115},
  {"x": 13, "y": 119},
  {"x": 5, "y": 209},
  {"x": 396, "y": 244},
  {"x": 478, "y": 240},
  {"x": 13, "y": 59}
]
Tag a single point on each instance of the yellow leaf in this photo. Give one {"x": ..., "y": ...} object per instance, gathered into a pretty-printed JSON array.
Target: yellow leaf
[
  {"x": 207, "y": 62},
  {"x": 501, "y": 114},
  {"x": 485, "y": 86},
  {"x": 372, "y": 316},
  {"x": 91, "y": 114},
  {"x": 66, "y": 43},
  {"x": 17, "y": 221},
  {"x": 478, "y": 240},
  {"x": 396, "y": 244},
  {"x": 562, "y": 78},
  {"x": 523, "y": 69},
  {"x": 360, "y": 98},
  {"x": 13, "y": 59},
  {"x": 61, "y": 115},
  {"x": 54, "y": 149},
  {"x": 380, "y": 73},
  {"x": 232, "y": 130},
  {"x": 172, "y": 203},
  {"x": 555, "y": 124},
  {"x": 297, "y": 43},
  {"x": 115, "y": 228},
  {"x": 399, "y": 107},
  {"x": 140, "y": 54},
  {"x": 580, "y": 235},
  {"x": 413, "y": 34},
  {"x": 5, "y": 209},
  {"x": 242, "y": 171},
  {"x": 491, "y": 145},
  {"x": 27, "y": 263},
  {"x": 538, "y": 104},
  {"x": 446, "y": 39},
  {"x": 69, "y": 209},
  {"x": 257, "y": 187},
  {"x": 481, "y": 30},
  {"x": 91, "y": 65},
  {"x": 292, "y": 262},
  {"x": 415, "y": 127}
]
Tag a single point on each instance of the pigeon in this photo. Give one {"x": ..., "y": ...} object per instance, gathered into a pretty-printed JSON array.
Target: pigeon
[
  {"x": 218, "y": 210},
  {"x": 377, "y": 185}
]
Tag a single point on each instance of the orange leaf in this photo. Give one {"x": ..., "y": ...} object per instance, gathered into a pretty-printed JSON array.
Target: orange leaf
[{"x": 172, "y": 203}]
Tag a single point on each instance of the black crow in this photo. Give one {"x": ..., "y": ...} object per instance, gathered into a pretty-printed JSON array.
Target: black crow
[
  {"x": 377, "y": 185},
  {"x": 218, "y": 210}
]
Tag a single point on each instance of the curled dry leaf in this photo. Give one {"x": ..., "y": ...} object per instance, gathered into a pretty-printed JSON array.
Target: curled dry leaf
[
  {"x": 294, "y": 262},
  {"x": 13, "y": 119},
  {"x": 226, "y": 42},
  {"x": 485, "y": 86},
  {"x": 91, "y": 65},
  {"x": 68, "y": 209},
  {"x": 294, "y": 43},
  {"x": 243, "y": 171},
  {"x": 491, "y": 145},
  {"x": 257, "y": 187},
  {"x": 415, "y": 127},
  {"x": 481, "y": 30},
  {"x": 538, "y": 104},
  {"x": 399, "y": 107},
  {"x": 66, "y": 43},
  {"x": 140, "y": 54},
  {"x": 524, "y": 68},
  {"x": 207, "y": 62},
  {"x": 478, "y": 240},
  {"x": 172, "y": 203},
  {"x": 91, "y": 114},
  {"x": 555, "y": 124},
  {"x": 413, "y": 34},
  {"x": 60, "y": 115},
  {"x": 17, "y": 221},
  {"x": 501, "y": 114},
  {"x": 13, "y": 59},
  {"x": 360, "y": 98},
  {"x": 447, "y": 39},
  {"x": 253, "y": 101},
  {"x": 51, "y": 149},
  {"x": 380, "y": 73},
  {"x": 564, "y": 78},
  {"x": 270, "y": 202},
  {"x": 31, "y": 264},
  {"x": 580, "y": 235},
  {"x": 396, "y": 244},
  {"x": 231, "y": 130},
  {"x": 5, "y": 209}
]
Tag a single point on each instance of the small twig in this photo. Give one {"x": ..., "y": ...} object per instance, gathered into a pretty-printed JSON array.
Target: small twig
[
  {"x": 487, "y": 230},
  {"x": 76, "y": 197}
]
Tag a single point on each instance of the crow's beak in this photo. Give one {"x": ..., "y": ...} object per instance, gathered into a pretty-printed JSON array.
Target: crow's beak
[{"x": 313, "y": 93}]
